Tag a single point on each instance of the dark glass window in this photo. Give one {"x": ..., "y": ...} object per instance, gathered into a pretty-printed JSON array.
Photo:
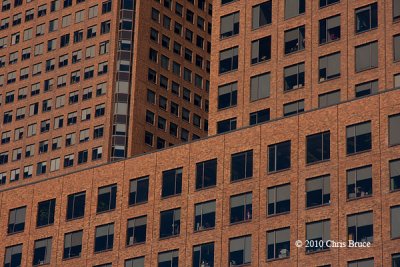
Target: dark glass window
[
  {"x": 206, "y": 174},
  {"x": 106, "y": 198},
  {"x": 329, "y": 29},
  {"x": 262, "y": 14},
  {"x": 358, "y": 137},
  {"x": 360, "y": 227},
  {"x": 318, "y": 147},
  {"x": 203, "y": 255},
  {"x": 171, "y": 182},
  {"x": 229, "y": 25},
  {"x": 261, "y": 50},
  {"x": 16, "y": 220},
  {"x": 318, "y": 191},
  {"x": 42, "y": 251},
  {"x": 242, "y": 165},
  {"x": 259, "y": 116},
  {"x": 279, "y": 199},
  {"x": 168, "y": 258},
  {"x": 170, "y": 222},
  {"x": 359, "y": 182},
  {"x": 72, "y": 244},
  {"x": 227, "y": 95},
  {"x": 278, "y": 244},
  {"x": 104, "y": 237},
  {"x": 366, "y": 88},
  {"x": 318, "y": 233},
  {"x": 204, "y": 216},
  {"x": 240, "y": 251},
  {"x": 228, "y": 60},
  {"x": 394, "y": 166},
  {"x": 395, "y": 222},
  {"x": 329, "y": 67},
  {"x": 45, "y": 215},
  {"x": 13, "y": 256},
  {"x": 294, "y": 76},
  {"x": 396, "y": 258},
  {"x": 366, "y": 17},
  {"x": 136, "y": 231},
  {"x": 76, "y": 205},
  {"x": 241, "y": 207},
  {"x": 394, "y": 129},
  {"x": 294, "y": 8},
  {"x": 279, "y": 156},
  {"x": 324, "y": 3},
  {"x": 138, "y": 190},
  {"x": 226, "y": 125},
  {"x": 295, "y": 39},
  {"x": 293, "y": 108}
]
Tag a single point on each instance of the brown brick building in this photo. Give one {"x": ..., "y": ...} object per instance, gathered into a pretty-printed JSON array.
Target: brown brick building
[
  {"x": 223, "y": 200},
  {"x": 87, "y": 82}
]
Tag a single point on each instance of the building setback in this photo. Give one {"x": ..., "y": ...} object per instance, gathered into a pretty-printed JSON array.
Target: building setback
[
  {"x": 83, "y": 83},
  {"x": 240, "y": 197}
]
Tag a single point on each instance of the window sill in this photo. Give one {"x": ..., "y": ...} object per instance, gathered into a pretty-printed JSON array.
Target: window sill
[
  {"x": 228, "y": 37},
  {"x": 229, "y": 3},
  {"x": 71, "y": 258},
  {"x": 292, "y": 89},
  {"x": 205, "y": 188},
  {"x": 101, "y": 251},
  {"x": 393, "y": 145},
  {"x": 203, "y": 230},
  {"x": 135, "y": 244},
  {"x": 104, "y": 211},
  {"x": 241, "y": 179},
  {"x": 364, "y": 70},
  {"x": 329, "y": 5},
  {"x": 74, "y": 219},
  {"x": 259, "y": 99},
  {"x": 318, "y": 162},
  {"x": 170, "y": 196},
  {"x": 298, "y": 15},
  {"x": 227, "y": 72},
  {"x": 168, "y": 237},
  {"x": 293, "y": 52},
  {"x": 358, "y": 153},
  {"x": 15, "y": 233},
  {"x": 239, "y": 222},
  {"x": 43, "y": 226},
  {"x": 357, "y": 198},
  {"x": 278, "y": 214},
  {"x": 261, "y": 27},
  {"x": 394, "y": 190},
  {"x": 260, "y": 62},
  {"x": 41, "y": 264},
  {"x": 318, "y": 206},
  {"x": 225, "y": 108},
  {"x": 317, "y": 251},
  {"x": 278, "y": 171},
  {"x": 137, "y": 204},
  {"x": 278, "y": 259},
  {"x": 369, "y": 30},
  {"x": 328, "y": 80}
]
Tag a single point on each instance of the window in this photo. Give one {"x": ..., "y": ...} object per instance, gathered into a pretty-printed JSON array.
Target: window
[
  {"x": 361, "y": 263},
  {"x": 295, "y": 39},
  {"x": 396, "y": 9},
  {"x": 260, "y": 86},
  {"x": 170, "y": 221},
  {"x": 82, "y": 156},
  {"x": 366, "y": 18},
  {"x": 394, "y": 129},
  {"x": 16, "y": 220},
  {"x": 329, "y": 29},
  {"x": 294, "y": 8},
  {"x": 318, "y": 147},
  {"x": 359, "y": 182},
  {"x": 76, "y": 206},
  {"x": 396, "y": 80},
  {"x": 294, "y": 76},
  {"x": 318, "y": 191},
  {"x": 136, "y": 230},
  {"x": 229, "y": 25},
  {"x": 168, "y": 258},
  {"x": 394, "y": 166},
  {"x": 318, "y": 233},
  {"x": 204, "y": 216},
  {"x": 241, "y": 208},
  {"x": 366, "y": 88},
  {"x": 227, "y": 95},
  {"x": 42, "y": 251},
  {"x": 13, "y": 256},
  {"x": 106, "y": 199},
  {"x": 104, "y": 239},
  {"x": 329, "y": 67},
  {"x": 279, "y": 156},
  {"x": 228, "y": 60},
  {"x": 259, "y": 116},
  {"x": 203, "y": 255},
  {"x": 278, "y": 244},
  {"x": 41, "y": 168},
  {"x": 278, "y": 199},
  {"x": 226, "y": 125},
  {"x": 136, "y": 262},
  {"x": 262, "y": 15},
  {"x": 242, "y": 165},
  {"x": 324, "y": 3},
  {"x": 358, "y": 137},
  {"x": 329, "y": 99},
  {"x": 240, "y": 251},
  {"x": 171, "y": 182},
  {"x": 45, "y": 214},
  {"x": 206, "y": 174},
  {"x": 367, "y": 56},
  {"x": 72, "y": 244},
  {"x": 261, "y": 50},
  {"x": 360, "y": 227},
  {"x": 395, "y": 222}
]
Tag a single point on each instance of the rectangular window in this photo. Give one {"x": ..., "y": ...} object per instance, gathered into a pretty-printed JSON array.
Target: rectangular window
[
  {"x": 396, "y": 9},
  {"x": 228, "y": 60},
  {"x": 203, "y": 255},
  {"x": 394, "y": 129},
  {"x": 295, "y": 39},
  {"x": 318, "y": 233},
  {"x": 324, "y": 3},
  {"x": 329, "y": 67},
  {"x": 16, "y": 220},
  {"x": 361, "y": 263},
  {"x": 240, "y": 251},
  {"x": 136, "y": 231},
  {"x": 293, "y": 108},
  {"x": 45, "y": 214},
  {"x": 206, "y": 174},
  {"x": 279, "y": 156},
  {"x": 76, "y": 205},
  {"x": 259, "y": 116},
  {"x": 366, "y": 56},
  {"x": 227, "y": 95},
  {"x": 294, "y": 76},
  {"x": 170, "y": 221},
  {"x": 278, "y": 199},
  {"x": 278, "y": 244},
  {"x": 13, "y": 256},
  {"x": 366, "y": 18},
  {"x": 204, "y": 216},
  {"x": 329, "y": 29},
  {"x": 294, "y": 8},
  {"x": 226, "y": 125},
  {"x": 262, "y": 15},
  {"x": 106, "y": 198},
  {"x": 242, "y": 165},
  {"x": 396, "y": 47},
  {"x": 229, "y": 25},
  {"x": 171, "y": 182},
  {"x": 42, "y": 251},
  {"x": 104, "y": 239},
  {"x": 318, "y": 191},
  {"x": 329, "y": 99},
  {"x": 318, "y": 147},
  {"x": 260, "y": 86},
  {"x": 360, "y": 227},
  {"x": 168, "y": 258},
  {"x": 395, "y": 222},
  {"x": 72, "y": 244},
  {"x": 136, "y": 262},
  {"x": 261, "y": 50},
  {"x": 366, "y": 88},
  {"x": 359, "y": 182},
  {"x": 394, "y": 166},
  {"x": 241, "y": 208},
  {"x": 358, "y": 137}
]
